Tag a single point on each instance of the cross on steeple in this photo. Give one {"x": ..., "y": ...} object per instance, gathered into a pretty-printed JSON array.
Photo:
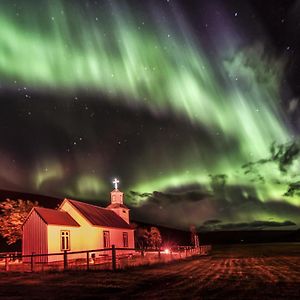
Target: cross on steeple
[
  {"x": 115, "y": 182},
  {"x": 117, "y": 203}
]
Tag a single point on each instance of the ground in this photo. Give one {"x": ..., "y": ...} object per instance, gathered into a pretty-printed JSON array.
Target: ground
[{"x": 269, "y": 271}]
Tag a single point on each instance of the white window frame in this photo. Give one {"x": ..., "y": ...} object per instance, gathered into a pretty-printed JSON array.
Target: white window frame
[
  {"x": 125, "y": 240},
  {"x": 65, "y": 240},
  {"x": 106, "y": 239}
]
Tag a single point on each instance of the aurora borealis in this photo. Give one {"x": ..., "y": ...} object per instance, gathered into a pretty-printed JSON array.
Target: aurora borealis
[{"x": 182, "y": 102}]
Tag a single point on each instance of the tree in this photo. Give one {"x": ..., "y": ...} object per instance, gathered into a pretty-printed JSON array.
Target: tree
[
  {"x": 13, "y": 213},
  {"x": 141, "y": 237},
  {"x": 155, "y": 239},
  {"x": 147, "y": 237}
]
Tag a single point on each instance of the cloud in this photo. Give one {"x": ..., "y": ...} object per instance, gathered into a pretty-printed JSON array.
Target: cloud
[
  {"x": 239, "y": 205},
  {"x": 176, "y": 209},
  {"x": 189, "y": 193},
  {"x": 211, "y": 222},
  {"x": 255, "y": 225},
  {"x": 293, "y": 189},
  {"x": 282, "y": 154}
]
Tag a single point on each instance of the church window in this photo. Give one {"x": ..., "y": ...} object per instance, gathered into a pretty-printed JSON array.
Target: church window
[
  {"x": 106, "y": 240},
  {"x": 125, "y": 239},
  {"x": 65, "y": 240}
]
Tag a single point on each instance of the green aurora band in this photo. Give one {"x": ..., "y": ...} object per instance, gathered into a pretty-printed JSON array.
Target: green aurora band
[{"x": 160, "y": 67}]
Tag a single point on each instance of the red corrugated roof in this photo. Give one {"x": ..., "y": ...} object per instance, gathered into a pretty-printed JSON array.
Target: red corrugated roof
[
  {"x": 100, "y": 216},
  {"x": 56, "y": 217}
]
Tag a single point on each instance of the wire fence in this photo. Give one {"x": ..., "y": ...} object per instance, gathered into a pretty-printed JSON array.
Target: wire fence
[{"x": 100, "y": 259}]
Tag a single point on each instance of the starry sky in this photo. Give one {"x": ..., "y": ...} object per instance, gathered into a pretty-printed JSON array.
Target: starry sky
[{"x": 193, "y": 105}]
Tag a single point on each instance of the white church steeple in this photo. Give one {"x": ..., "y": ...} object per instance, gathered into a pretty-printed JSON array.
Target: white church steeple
[
  {"x": 117, "y": 204},
  {"x": 116, "y": 196}
]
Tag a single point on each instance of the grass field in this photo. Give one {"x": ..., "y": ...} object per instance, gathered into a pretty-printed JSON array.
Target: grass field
[{"x": 266, "y": 271}]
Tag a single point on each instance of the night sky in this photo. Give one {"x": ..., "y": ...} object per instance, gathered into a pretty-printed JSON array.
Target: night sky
[{"x": 193, "y": 105}]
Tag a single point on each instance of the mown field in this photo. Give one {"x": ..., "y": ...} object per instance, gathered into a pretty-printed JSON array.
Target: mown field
[{"x": 269, "y": 271}]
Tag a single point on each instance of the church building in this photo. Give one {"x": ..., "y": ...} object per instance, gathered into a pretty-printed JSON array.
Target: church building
[{"x": 77, "y": 226}]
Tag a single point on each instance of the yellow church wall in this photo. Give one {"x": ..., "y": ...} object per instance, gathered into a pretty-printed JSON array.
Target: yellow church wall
[
  {"x": 116, "y": 237},
  {"x": 89, "y": 234},
  {"x": 54, "y": 240},
  {"x": 85, "y": 238},
  {"x": 69, "y": 208},
  {"x": 80, "y": 239}
]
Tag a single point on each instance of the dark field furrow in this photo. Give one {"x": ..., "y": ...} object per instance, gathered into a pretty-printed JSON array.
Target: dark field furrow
[{"x": 241, "y": 272}]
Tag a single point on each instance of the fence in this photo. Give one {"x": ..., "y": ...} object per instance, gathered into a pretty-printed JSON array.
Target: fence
[{"x": 99, "y": 259}]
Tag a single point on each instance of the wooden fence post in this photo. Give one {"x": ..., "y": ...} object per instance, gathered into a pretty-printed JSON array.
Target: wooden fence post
[
  {"x": 65, "y": 260},
  {"x": 87, "y": 260},
  {"x": 159, "y": 252},
  {"x": 32, "y": 262},
  {"x": 113, "y": 258},
  {"x": 6, "y": 262}
]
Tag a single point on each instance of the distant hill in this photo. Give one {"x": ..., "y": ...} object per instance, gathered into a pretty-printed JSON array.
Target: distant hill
[
  {"x": 45, "y": 201},
  {"x": 181, "y": 237},
  {"x": 247, "y": 236}
]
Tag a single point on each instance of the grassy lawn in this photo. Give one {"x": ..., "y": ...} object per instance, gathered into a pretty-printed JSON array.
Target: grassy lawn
[{"x": 270, "y": 271}]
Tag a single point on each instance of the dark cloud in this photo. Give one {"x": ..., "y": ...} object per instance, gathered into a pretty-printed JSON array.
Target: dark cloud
[
  {"x": 293, "y": 188},
  {"x": 164, "y": 198},
  {"x": 191, "y": 196},
  {"x": 207, "y": 209},
  {"x": 280, "y": 207},
  {"x": 218, "y": 183},
  {"x": 180, "y": 209},
  {"x": 207, "y": 225},
  {"x": 179, "y": 189},
  {"x": 211, "y": 222},
  {"x": 285, "y": 154},
  {"x": 282, "y": 154}
]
